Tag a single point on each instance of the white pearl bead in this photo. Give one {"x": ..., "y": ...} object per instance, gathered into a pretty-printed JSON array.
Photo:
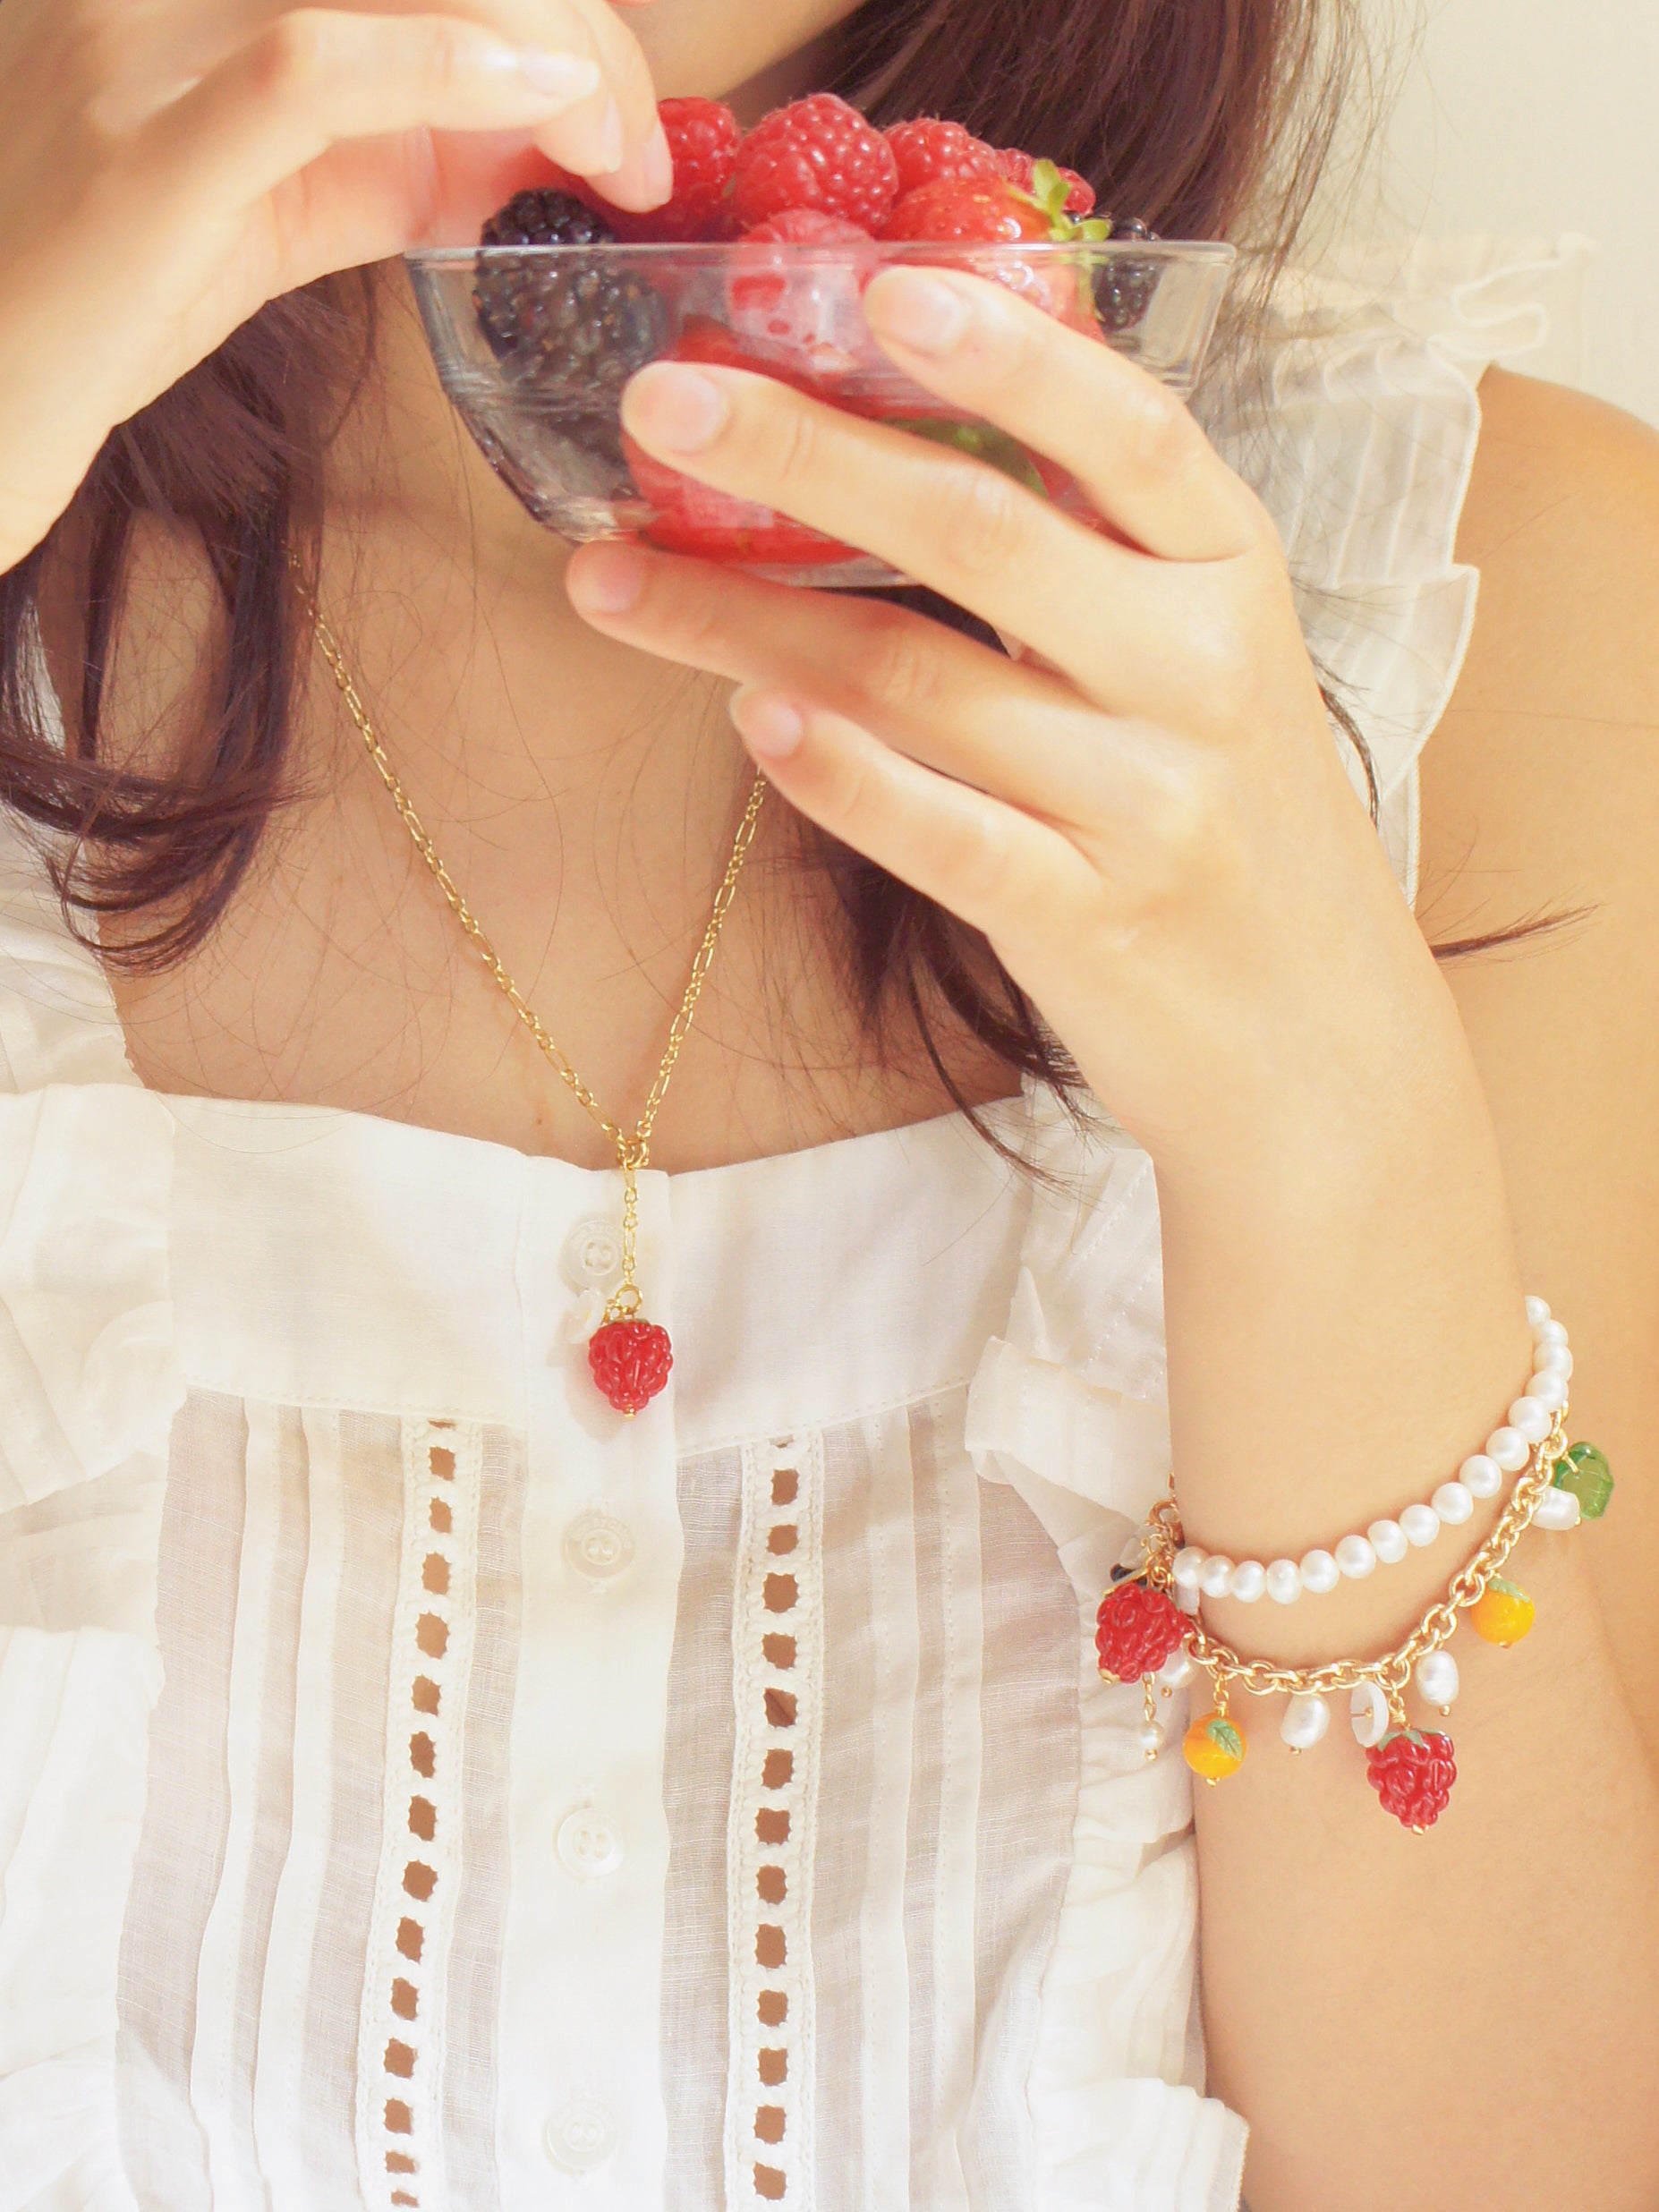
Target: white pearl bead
[
  {"x": 1481, "y": 1476},
  {"x": 1550, "y": 1332},
  {"x": 1549, "y": 1388},
  {"x": 1387, "y": 1539},
  {"x": 1150, "y": 1737},
  {"x": 1437, "y": 1678},
  {"x": 1248, "y": 1581},
  {"x": 1187, "y": 1597},
  {"x": 1368, "y": 1708},
  {"x": 1557, "y": 1509},
  {"x": 1306, "y": 1722},
  {"x": 1421, "y": 1524},
  {"x": 1554, "y": 1355},
  {"x": 1284, "y": 1581},
  {"x": 1356, "y": 1557},
  {"x": 1509, "y": 1448},
  {"x": 1538, "y": 1312},
  {"x": 1529, "y": 1419},
  {"x": 1319, "y": 1572},
  {"x": 1213, "y": 1576},
  {"x": 1454, "y": 1503},
  {"x": 1186, "y": 1568},
  {"x": 1178, "y": 1670}
]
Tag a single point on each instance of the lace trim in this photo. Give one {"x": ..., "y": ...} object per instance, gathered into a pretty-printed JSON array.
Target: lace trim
[
  {"x": 778, "y": 1673},
  {"x": 400, "y": 2040}
]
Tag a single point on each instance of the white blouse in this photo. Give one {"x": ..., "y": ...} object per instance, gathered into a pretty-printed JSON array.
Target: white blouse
[{"x": 421, "y": 1788}]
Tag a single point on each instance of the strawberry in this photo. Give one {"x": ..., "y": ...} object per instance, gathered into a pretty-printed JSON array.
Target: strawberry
[
  {"x": 1021, "y": 169},
  {"x": 968, "y": 211},
  {"x": 1412, "y": 1772},
  {"x": 816, "y": 153},
  {"x": 1137, "y": 1628},
  {"x": 694, "y": 518},
  {"x": 928, "y": 150}
]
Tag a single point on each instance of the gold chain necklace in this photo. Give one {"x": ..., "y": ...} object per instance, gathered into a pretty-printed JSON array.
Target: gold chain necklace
[{"x": 629, "y": 1356}]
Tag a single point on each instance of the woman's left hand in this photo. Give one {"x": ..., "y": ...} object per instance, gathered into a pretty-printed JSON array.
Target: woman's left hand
[{"x": 1147, "y": 816}]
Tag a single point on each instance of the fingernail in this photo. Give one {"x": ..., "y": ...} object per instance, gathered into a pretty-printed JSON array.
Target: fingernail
[
  {"x": 658, "y": 166},
  {"x": 918, "y": 311},
  {"x": 667, "y": 404},
  {"x": 768, "y": 723},
  {"x": 607, "y": 580},
  {"x": 644, "y": 179},
  {"x": 611, "y": 142},
  {"x": 560, "y": 79}
]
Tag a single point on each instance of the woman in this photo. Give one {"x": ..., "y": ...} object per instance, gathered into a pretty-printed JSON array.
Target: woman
[{"x": 420, "y": 1786}]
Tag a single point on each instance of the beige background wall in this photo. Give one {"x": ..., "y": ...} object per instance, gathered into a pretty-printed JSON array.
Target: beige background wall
[{"x": 1527, "y": 118}]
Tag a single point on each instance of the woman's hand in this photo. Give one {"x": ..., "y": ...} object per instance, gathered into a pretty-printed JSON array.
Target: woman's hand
[
  {"x": 166, "y": 169},
  {"x": 1148, "y": 817}
]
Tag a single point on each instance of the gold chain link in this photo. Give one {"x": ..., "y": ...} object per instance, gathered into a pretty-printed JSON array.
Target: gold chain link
[
  {"x": 1260, "y": 1678},
  {"x": 632, "y": 1145}
]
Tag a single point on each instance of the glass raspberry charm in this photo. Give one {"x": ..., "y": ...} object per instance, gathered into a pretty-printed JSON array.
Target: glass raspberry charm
[
  {"x": 630, "y": 1360},
  {"x": 1138, "y": 1628},
  {"x": 1412, "y": 1772}
]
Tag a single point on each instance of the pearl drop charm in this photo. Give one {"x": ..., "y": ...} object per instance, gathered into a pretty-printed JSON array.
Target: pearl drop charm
[
  {"x": 1319, "y": 1572},
  {"x": 1529, "y": 1419},
  {"x": 1368, "y": 1711},
  {"x": 1306, "y": 1720},
  {"x": 1436, "y": 1679},
  {"x": 1558, "y": 1510},
  {"x": 1509, "y": 1448},
  {"x": 1284, "y": 1581},
  {"x": 1356, "y": 1557},
  {"x": 1213, "y": 1576},
  {"x": 1178, "y": 1670},
  {"x": 1421, "y": 1524},
  {"x": 1248, "y": 1581},
  {"x": 1481, "y": 1476},
  {"x": 1151, "y": 1738},
  {"x": 1387, "y": 1539},
  {"x": 1186, "y": 1568},
  {"x": 1453, "y": 1503}
]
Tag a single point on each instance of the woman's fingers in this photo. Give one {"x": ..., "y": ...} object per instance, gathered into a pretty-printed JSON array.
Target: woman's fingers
[
  {"x": 320, "y": 77},
  {"x": 997, "y": 868},
  {"x": 1134, "y": 449},
  {"x": 951, "y": 703}
]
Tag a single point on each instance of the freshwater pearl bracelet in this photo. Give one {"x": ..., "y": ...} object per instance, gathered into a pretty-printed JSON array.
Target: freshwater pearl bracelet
[{"x": 1199, "y": 1574}]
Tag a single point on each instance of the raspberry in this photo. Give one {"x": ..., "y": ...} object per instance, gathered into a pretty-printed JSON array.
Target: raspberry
[
  {"x": 805, "y": 227},
  {"x": 704, "y": 137},
  {"x": 1138, "y": 1628},
  {"x": 816, "y": 153},
  {"x": 928, "y": 150},
  {"x": 1021, "y": 169},
  {"x": 806, "y": 308},
  {"x": 1412, "y": 1773},
  {"x": 630, "y": 1360},
  {"x": 571, "y": 325}
]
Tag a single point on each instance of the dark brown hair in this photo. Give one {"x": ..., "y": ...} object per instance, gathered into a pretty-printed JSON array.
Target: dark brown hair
[{"x": 1205, "y": 117}]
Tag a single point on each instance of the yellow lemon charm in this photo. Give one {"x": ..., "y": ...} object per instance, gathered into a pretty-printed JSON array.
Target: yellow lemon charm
[
  {"x": 1213, "y": 1746},
  {"x": 1502, "y": 1614}
]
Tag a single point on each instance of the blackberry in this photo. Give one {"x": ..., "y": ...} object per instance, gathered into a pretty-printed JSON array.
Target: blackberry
[
  {"x": 1123, "y": 289},
  {"x": 583, "y": 327}
]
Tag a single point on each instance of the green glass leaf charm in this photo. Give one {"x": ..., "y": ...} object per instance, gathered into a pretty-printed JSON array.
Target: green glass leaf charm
[
  {"x": 1586, "y": 1473},
  {"x": 1224, "y": 1734}
]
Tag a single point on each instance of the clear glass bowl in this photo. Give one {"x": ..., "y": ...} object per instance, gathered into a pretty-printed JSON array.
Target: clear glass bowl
[{"x": 534, "y": 344}]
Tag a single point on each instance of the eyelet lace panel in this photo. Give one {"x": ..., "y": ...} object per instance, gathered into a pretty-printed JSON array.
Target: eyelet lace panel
[
  {"x": 400, "y": 2054},
  {"x": 778, "y": 1671}
]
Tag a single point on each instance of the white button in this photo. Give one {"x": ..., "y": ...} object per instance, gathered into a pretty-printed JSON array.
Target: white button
[
  {"x": 598, "y": 1546},
  {"x": 580, "y": 2137},
  {"x": 588, "y": 1847},
  {"x": 592, "y": 1254}
]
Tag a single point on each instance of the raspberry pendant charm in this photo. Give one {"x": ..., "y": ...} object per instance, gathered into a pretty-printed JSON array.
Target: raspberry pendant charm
[
  {"x": 1136, "y": 1630},
  {"x": 1412, "y": 1772},
  {"x": 630, "y": 1361}
]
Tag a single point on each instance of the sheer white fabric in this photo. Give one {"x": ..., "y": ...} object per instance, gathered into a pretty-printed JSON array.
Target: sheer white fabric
[{"x": 420, "y": 1788}]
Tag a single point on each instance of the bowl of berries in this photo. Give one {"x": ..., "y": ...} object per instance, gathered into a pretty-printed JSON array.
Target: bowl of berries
[{"x": 759, "y": 261}]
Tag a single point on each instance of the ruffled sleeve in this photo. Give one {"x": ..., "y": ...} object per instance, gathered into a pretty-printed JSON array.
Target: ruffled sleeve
[
  {"x": 89, "y": 1386},
  {"x": 1356, "y": 424}
]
